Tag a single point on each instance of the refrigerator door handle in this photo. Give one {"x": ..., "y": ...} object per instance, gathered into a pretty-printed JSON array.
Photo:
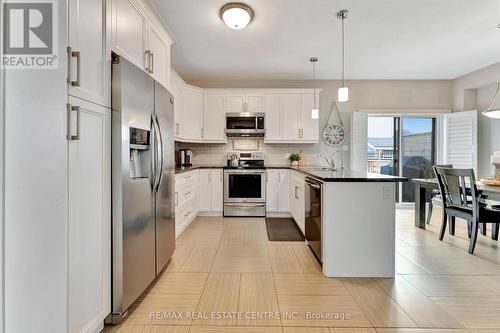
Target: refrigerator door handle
[
  {"x": 160, "y": 147},
  {"x": 156, "y": 173}
]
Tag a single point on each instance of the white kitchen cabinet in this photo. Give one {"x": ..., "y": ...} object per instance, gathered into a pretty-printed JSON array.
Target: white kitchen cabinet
[
  {"x": 297, "y": 199},
  {"x": 89, "y": 224},
  {"x": 273, "y": 111},
  {"x": 137, "y": 37},
  {"x": 158, "y": 65},
  {"x": 290, "y": 117},
  {"x": 290, "y": 121},
  {"x": 211, "y": 191},
  {"x": 129, "y": 31},
  {"x": 214, "y": 118},
  {"x": 309, "y": 127},
  {"x": 254, "y": 103},
  {"x": 278, "y": 191},
  {"x": 177, "y": 89},
  {"x": 235, "y": 103},
  {"x": 89, "y": 74},
  {"x": 186, "y": 200},
  {"x": 217, "y": 190},
  {"x": 284, "y": 190},
  {"x": 188, "y": 110},
  {"x": 272, "y": 190},
  {"x": 191, "y": 114}
]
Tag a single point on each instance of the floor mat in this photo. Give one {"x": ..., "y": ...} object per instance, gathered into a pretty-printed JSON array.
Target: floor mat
[{"x": 283, "y": 230}]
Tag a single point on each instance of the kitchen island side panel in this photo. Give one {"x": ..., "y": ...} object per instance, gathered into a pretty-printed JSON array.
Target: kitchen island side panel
[{"x": 359, "y": 226}]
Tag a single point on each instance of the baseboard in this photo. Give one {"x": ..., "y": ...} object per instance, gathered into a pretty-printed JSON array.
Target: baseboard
[
  {"x": 280, "y": 214},
  {"x": 210, "y": 213}
]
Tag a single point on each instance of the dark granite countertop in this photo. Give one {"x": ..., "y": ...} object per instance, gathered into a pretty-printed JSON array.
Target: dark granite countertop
[
  {"x": 327, "y": 175},
  {"x": 194, "y": 167},
  {"x": 320, "y": 173}
]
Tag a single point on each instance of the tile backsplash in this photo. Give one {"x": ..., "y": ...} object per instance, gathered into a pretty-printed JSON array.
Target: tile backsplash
[{"x": 275, "y": 154}]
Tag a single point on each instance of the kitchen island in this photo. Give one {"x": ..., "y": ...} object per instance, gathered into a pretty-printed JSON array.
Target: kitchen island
[
  {"x": 354, "y": 220},
  {"x": 358, "y": 222}
]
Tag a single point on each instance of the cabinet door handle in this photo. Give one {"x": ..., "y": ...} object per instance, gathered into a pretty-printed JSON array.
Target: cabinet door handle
[
  {"x": 296, "y": 196},
  {"x": 147, "y": 62},
  {"x": 70, "y": 136},
  {"x": 189, "y": 212},
  {"x": 73, "y": 54},
  {"x": 187, "y": 193},
  {"x": 152, "y": 66}
]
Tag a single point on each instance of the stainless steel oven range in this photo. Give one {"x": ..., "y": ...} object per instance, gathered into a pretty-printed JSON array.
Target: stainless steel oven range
[{"x": 245, "y": 185}]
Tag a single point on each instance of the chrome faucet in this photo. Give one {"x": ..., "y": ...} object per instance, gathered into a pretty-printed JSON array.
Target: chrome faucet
[{"x": 331, "y": 160}]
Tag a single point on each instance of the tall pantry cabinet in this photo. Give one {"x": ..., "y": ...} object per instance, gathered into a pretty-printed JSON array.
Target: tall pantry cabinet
[{"x": 89, "y": 164}]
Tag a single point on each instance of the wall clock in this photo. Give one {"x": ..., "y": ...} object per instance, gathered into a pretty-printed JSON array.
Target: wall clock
[{"x": 334, "y": 134}]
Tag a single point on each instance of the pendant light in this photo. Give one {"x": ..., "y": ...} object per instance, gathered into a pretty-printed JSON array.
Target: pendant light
[
  {"x": 315, "y": 110},
  {"x": 493, "y": 113},
  {"x": 343, "y": 92}
]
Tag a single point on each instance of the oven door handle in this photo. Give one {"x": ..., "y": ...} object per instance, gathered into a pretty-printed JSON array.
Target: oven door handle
[{"x": 244, "y": 205}]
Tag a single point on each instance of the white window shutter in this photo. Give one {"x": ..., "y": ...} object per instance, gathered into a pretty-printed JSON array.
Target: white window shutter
[
  {"x": 461, "y": 140},
  {"x": 359, "y": 141}
]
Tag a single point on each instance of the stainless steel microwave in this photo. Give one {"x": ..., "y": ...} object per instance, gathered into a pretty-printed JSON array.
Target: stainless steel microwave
[{"x": 245, "y": 124}]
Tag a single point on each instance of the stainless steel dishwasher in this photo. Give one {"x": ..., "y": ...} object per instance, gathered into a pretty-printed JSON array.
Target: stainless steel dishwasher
[{"x": 313, "y": 220}]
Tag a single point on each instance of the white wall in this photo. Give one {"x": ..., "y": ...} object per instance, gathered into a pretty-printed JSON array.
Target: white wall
[
  {"x": 416, "y": 95},
  {"x": 475, "y": 91}
]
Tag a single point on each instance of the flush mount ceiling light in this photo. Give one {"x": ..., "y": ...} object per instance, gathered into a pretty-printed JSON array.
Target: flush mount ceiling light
[
  {"x": 236, "y": 15},
  {"x": 343, "y": 92},
  {"x": 493, "y": 113},
  {"x": 315, "y": 110}
]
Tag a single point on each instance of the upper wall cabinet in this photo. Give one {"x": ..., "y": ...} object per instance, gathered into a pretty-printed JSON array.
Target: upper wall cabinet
[
  {"x": 129, "y": 31},
  {"x": 192, "y": 113},
  {"x": 158, "y": 56},
  {"x": 288, "y": 118},
  {"x": 89, "y": 59},
  {"x": 188, "y": 110},
  {"x": 288, "y": 113},
  {"x": 214, "y": 118},
  {"x": 136, "y": 37},
  {"x": 237, "y": 102}
]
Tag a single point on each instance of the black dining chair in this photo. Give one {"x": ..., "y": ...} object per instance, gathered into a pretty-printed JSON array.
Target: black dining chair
[
  {"x": 435, "y": 195},
  {"x": 461, "y": 199}
]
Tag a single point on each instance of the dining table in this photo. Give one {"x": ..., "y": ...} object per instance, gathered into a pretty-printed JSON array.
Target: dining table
[{"x": 423, "y": 188}]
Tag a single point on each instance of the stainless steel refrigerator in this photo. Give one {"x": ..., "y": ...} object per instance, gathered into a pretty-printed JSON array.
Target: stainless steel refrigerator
[{"x": 142, "y": 182}]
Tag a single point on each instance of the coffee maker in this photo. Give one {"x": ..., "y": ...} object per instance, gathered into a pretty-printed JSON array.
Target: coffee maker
[{"x": 184, "y": 157}]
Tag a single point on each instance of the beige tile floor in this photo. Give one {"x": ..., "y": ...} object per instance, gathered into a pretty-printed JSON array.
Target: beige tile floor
[{"x": 230, "y": 278}]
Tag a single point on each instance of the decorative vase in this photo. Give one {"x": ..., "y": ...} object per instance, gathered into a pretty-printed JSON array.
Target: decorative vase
[{"x": 295, "y": 163}]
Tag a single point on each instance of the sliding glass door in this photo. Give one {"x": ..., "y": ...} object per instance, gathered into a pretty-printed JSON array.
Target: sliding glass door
[
  {"x": 402, "y": 145},
  {"x": 418, "y": 151}
]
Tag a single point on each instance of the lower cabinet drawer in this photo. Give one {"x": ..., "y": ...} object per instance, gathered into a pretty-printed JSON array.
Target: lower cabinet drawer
[
  {"x": 184, "y": 215},
  {"x": 186, "y": 178},
  {"x": 185, "y": 194}
]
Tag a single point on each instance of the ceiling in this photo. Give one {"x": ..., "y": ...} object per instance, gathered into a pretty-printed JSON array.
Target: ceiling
[{"x": 385, "y": 39}]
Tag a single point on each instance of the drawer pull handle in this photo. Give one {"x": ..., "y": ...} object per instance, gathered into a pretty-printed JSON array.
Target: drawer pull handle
[
  {"x": 185, "y": 215},
  {"x": 187, "y": 193}
]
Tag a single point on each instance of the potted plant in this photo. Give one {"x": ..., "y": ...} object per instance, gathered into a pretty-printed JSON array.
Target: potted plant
[{"x": 294, "y": 158}]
